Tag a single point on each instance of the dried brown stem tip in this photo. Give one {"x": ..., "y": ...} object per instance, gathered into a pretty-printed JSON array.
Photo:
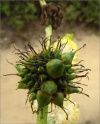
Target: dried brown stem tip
[{"x": 51, "y": 15}]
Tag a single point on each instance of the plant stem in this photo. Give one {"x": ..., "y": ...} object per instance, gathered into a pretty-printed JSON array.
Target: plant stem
[
  {"x": 48, "y": 31},
  {"x": 42, "y": 116},
  {"x": 48, "y": 28},
  {"x": 42, "y": 2}
]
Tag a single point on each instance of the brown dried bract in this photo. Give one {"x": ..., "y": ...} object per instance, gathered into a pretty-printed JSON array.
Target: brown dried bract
[{"x": 51, "y": 15}]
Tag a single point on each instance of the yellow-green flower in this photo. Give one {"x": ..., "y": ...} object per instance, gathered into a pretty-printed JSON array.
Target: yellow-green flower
[{"x": 71, "y": 45}]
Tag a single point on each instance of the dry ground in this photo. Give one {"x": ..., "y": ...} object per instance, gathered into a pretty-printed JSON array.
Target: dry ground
[{"x": 13, "y": 108}]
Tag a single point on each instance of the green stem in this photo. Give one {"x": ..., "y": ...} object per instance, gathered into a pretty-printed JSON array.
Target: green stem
[
  {"x": 42, "y": 2},
  {"x": 42, "y": 116},
  {"x": 48, "y": 31},
  {"x": 48, "y": 28}
]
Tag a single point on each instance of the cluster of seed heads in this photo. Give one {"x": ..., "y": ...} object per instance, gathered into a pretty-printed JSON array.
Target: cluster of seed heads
[{"x": 49, "y": 75}]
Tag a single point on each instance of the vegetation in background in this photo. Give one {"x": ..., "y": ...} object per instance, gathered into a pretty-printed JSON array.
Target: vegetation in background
[
  {"x": 19, "y": 13},
  {"x": 83, "y": 11}
]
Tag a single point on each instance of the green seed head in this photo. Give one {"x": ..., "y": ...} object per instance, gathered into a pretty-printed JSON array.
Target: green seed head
[{"x": 47, "y": 75}]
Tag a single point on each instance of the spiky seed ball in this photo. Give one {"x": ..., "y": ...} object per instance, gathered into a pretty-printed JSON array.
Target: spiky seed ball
[{"x": 49, "y": 75}]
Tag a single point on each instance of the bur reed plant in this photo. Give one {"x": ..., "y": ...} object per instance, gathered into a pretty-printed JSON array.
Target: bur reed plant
[{"x": 49, "y": 75}]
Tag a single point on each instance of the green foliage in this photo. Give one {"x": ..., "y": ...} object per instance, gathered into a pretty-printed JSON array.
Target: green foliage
[
  {"x": 83, "y": 11},
  {"x": 18, "y": 13}
]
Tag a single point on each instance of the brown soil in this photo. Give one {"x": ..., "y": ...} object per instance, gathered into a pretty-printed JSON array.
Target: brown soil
[{"x": 13, "y": 108}]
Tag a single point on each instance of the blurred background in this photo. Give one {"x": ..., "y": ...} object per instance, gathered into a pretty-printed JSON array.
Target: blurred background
[{"x": 20, "y": 23}]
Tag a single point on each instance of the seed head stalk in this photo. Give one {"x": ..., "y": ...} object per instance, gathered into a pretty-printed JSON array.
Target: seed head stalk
[
  {"x": 48, "y": 31},
  {"x": 43, "y": 114},
  {"x": 42, "y": 2}
]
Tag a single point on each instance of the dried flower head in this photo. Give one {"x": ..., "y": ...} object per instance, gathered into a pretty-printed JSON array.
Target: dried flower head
[{"x": 51, "y": 15}]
